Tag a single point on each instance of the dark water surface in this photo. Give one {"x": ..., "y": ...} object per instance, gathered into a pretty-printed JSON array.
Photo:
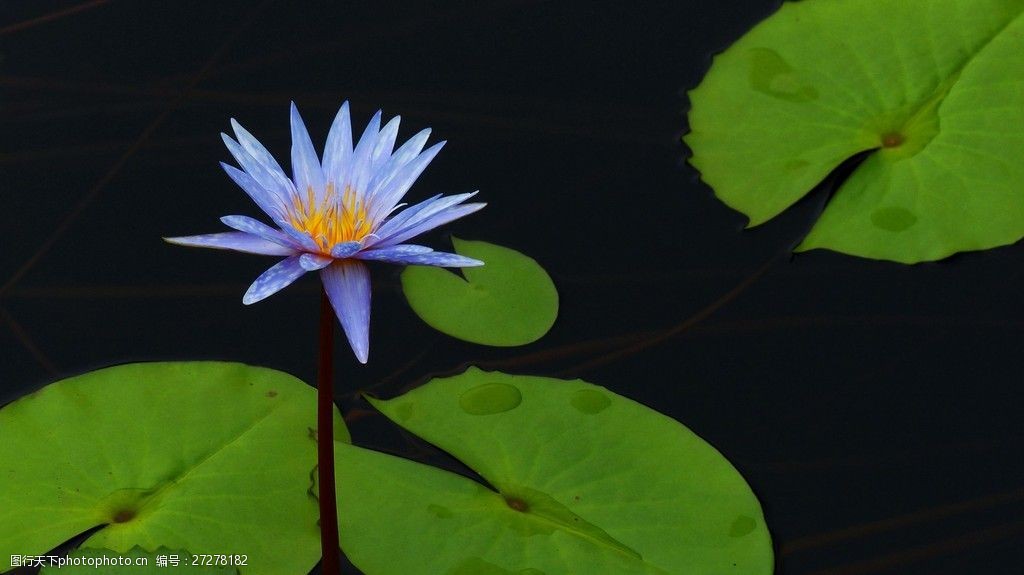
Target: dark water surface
[{"x": 874, "y": 408}]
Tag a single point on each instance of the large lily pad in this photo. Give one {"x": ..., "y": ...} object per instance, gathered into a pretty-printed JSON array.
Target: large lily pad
[
  {"x": 210, "y": 457},
  {"x": 585, "y": 481},
  {"x": 933, "y": 89},
  {"x": 508, "y": 301}
]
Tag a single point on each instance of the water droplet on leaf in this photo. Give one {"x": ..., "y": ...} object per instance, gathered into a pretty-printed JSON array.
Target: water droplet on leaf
[
  {"x": 770, "y": 74},
  {"x": 742, "y": 526},
  {"x": 490, "y": 398},
  {"x": 893, "y": 219},
  {"x": 589, "y": 401}
]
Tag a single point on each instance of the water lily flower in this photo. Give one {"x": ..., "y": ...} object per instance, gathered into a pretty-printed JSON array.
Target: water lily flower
[{"x": 336, "y": 214}]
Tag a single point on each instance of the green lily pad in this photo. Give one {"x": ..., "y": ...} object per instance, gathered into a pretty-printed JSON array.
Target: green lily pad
[
  {"x": 932, "y": 90},
  {"x": 508, "y": 301},
  {"x": 137, "y": 561},
  {"x": 210, "y": 457},
  {"x": 585, "y": 481}
]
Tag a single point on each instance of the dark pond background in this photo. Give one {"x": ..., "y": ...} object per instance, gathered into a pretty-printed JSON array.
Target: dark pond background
[{"x": 875, "y": 408}]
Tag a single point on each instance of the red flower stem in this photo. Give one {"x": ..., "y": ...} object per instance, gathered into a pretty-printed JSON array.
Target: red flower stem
[{"x": 331, "y": 563}]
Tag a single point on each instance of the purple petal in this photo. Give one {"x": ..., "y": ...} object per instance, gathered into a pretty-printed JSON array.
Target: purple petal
[
  {"x": 405, "y": 153},
  {"x": 301, "y": 239},
  {"x": 410, "y": 254},
  {"x": 237, "y": 241},
  {"x": 274, "y": 280},
  {"x": 306, "y": 170},
  {"x": 345, "y": 249},
  {"x": 359, "y": 170},
  {"x": 258, "y": 228},
  {"x": 391, "y": 191},
  {"x": 414, "y": 216},
  {"x": 385, "y": 143},
  {"x": 426, "y": 224},
  {"x": 269, "y": 202},
  {"x": 347, "y": 284},
  {"x": 399, "y": 250},
  {"x": 257, "y": 161},
  {"x": 257, "y": 171},
  {"x": 313, "y": 262},
  {"x": 400, "y": 218},
  {"x": 413, "y": 213},
  {"x": 338, "y": 151},
  {"x": 286, "y": 236},
  {"x": 410, "y": 149}
]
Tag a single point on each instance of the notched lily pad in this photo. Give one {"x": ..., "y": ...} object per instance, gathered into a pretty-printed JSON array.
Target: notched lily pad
[
  {"x": 164, "y": 454},
  {"x": 932, "y": 89},
  {"x": 508, "y": 301},
  {"x": 135, "y": 561},
  {"x": 585, "y": 481}
]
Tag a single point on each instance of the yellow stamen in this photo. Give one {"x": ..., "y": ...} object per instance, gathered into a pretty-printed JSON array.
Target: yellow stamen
[{"x": 330, "y": 222}]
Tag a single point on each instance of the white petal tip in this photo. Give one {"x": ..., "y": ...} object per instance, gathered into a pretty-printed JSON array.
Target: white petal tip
[
  {"x": 178, "y": 241},
  {"x": 362, "y": 356}
]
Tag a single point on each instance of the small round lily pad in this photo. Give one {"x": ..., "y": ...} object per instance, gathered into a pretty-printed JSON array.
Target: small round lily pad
[{"x": 508, "y": 301}]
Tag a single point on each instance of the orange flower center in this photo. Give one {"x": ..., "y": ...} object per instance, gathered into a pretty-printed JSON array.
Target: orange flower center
[{"x": 330, "y": 221}]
